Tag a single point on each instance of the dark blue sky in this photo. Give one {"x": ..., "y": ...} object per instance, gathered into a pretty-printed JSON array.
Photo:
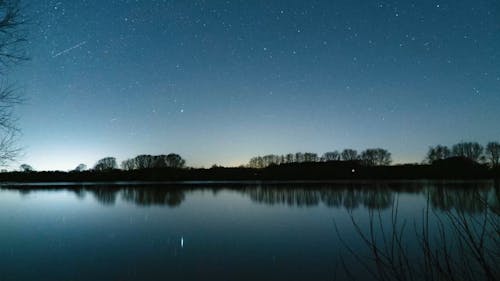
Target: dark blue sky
[{"x": 221, "y": 81}]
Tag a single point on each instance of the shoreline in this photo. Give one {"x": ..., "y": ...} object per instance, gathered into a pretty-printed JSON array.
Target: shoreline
[{"x": 313, "y": 172}]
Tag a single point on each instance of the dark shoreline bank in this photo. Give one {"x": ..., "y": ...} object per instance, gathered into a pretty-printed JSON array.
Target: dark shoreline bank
[{"x": 326, "y": 171}]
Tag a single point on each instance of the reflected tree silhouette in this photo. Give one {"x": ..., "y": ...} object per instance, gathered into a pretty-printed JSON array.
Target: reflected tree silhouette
[
  {"x": 149, "y": 196},
  {"x": 80, "y": 193},
  {"x": 494, "y": 201},
  {"x": 139, "y": 195},
  {"x": 289, "y": 196},
  {"x": 467, "y": 197},
  {"x": 348, "y": 196},
  {"x": 378, "y": 199},
  {"x": 105, "y": 195},
  {"x": 352, "y": 200},
  {"x": 332, "y": 199}
]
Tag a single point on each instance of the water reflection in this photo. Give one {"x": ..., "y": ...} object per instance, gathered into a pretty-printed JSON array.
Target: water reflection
[
  {"x": 154, "y": 196},
  {"x": 141, "y": 195},
  {"x": 287, "y": 231},
  {"x": 347, "y": 197},
  {"x": 105, "y": 195},
  {"x": 472, "y": 197},
  {"x": 459, "y": 242}
]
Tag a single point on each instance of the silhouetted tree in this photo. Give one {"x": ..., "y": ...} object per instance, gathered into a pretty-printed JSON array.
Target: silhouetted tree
[
  {"x": 349, "y": 155},
  {"x": 128, "y": 164},
  {"x": 80, "y": 168},
  {"x": 11, "y": 40},
  {"x": 175, "y": 161},
  {"x": 26, "y": 168},
  {"x": 438, "y": 152},
  {"x": 160, "y": 161},
  {"x": 143, "y": 161},
  {"x": 256, "y": 162},
  {"x": 310, "y": 157},
  {"x": 471, "y": 150},
  {"x": 493, "y": 153},
  {"x": 153, "y": 162},
  {"x": 376, "y": 157},
  {"x": 299, "y": 157},
  {"x": 269, "y": 160},
  {"x": 331, "y": 156},
  {"x": 105, "y": 164}
]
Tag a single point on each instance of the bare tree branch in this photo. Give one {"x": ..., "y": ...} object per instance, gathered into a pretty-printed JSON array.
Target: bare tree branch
[{"x": 12, "y": 39}]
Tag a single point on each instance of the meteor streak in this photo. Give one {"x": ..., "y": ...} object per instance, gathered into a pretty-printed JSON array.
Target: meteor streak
[{"x": 69, "y": 49}]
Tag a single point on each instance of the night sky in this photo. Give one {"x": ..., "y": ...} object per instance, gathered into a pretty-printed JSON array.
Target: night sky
[{"x": 221, "y": 81}]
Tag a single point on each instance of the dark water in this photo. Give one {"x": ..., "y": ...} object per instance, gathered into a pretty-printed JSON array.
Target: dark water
[{"x": 231, "y": 231}]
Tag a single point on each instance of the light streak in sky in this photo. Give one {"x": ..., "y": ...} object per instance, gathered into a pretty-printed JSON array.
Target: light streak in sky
[{"x": 69, "y": 49}]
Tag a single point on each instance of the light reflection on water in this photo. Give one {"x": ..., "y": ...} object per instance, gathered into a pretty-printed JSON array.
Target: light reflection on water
[{"x": 235, "y": 231}]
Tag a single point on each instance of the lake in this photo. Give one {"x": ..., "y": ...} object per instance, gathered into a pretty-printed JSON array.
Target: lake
[{"x": 250, "y": 231}]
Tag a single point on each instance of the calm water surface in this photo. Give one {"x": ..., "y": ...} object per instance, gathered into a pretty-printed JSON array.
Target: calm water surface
[{"x": 214, "y": 232}]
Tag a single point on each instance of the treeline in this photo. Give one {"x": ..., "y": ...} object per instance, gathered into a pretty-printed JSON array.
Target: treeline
[
  {"x": 369, "y": 157},
  {"x": 465, "y": 160},
  {"x": 143, "y": 161},
  {"x": 489, "y": 154},
  {"x": 473, "y": 151}
]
